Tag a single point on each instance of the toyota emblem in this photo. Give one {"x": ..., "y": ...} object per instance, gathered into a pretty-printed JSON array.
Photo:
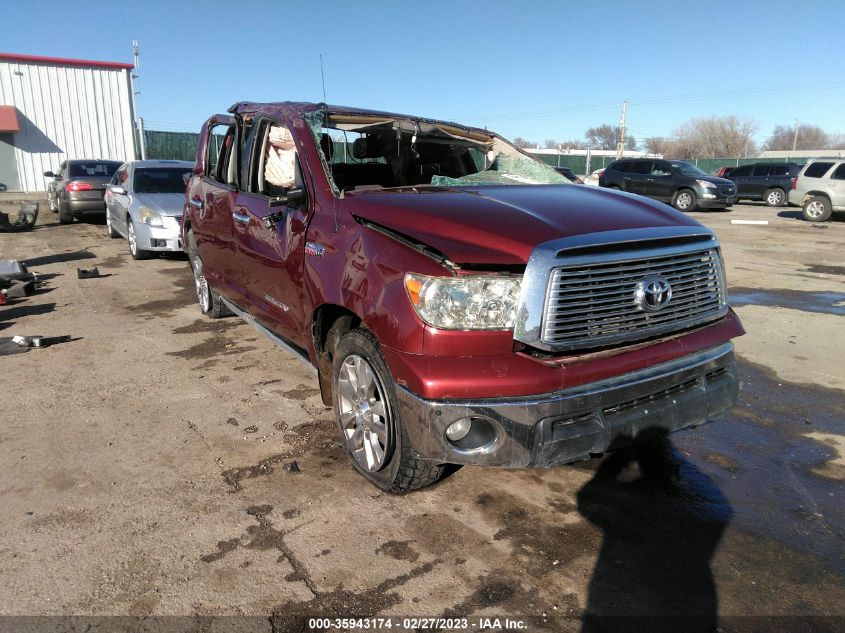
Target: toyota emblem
[{"x": 653, "y": 294}]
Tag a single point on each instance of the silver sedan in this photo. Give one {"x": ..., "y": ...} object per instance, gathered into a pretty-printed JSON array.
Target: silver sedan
[{"x": 144, "y": 204}]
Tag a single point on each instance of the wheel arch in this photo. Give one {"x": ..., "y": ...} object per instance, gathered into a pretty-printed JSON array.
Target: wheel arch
[{"x": 329, "y": 322}]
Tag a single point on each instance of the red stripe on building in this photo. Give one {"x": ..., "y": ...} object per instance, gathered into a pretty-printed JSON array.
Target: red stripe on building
[{"x": 61, "y": 61}]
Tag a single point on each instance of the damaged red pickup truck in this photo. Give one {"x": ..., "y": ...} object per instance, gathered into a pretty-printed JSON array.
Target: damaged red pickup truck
[{"x": 462, "y": 302}]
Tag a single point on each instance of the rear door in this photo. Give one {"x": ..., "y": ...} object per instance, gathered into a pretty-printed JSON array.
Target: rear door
[
  {"x": 270, "y": 241},
  {"x": 837, "y": 186},
  {"x": 758, "y": 181},
  {"x": 635, "y": 179},
  {"x": 213, "y": 197}
]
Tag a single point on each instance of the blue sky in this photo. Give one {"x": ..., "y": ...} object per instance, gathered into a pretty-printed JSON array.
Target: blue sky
[{"x": 532, "y": 69}]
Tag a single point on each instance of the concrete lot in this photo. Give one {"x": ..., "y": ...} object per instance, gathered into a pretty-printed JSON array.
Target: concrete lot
[{"x": 144, "y": 466}]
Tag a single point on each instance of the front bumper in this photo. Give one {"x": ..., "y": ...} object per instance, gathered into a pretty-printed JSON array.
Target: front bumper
[
  {"x": 720, "y": 201},
  {"x": 570, "y": 425},
  {"x": 159, "y": 238}
]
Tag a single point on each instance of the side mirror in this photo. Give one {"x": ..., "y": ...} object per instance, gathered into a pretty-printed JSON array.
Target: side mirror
[
  {"x": 117, "y": 189},
  {"x": 50, "y": 174}
]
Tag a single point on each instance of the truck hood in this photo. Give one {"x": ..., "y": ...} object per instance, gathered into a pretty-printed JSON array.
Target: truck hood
[{"x": 503, "y": 224}]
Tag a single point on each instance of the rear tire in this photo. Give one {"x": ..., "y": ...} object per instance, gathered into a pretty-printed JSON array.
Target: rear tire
[
  {"x": 209, "y": 301},
  {"x": 109, "y": 228},
  {"x": 775, "y": 197},
  {"x": 817, "y": 209},
  {"x": 367, "y": 413},
  {"x": 65, "y": 216},
  {"x": 684, "y": 200}
]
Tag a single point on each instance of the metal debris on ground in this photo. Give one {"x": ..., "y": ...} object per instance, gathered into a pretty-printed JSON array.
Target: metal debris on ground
[
  {"x": 27, "y": 216},
  {"x": 293, "y": 467},
  {"x": 19, "y": 289},
  {"x": 87, "y": 273}
]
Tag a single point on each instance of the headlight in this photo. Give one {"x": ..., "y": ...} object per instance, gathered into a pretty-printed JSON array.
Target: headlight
[
  {"x": 706, "y": 184},
  {"x": 465, "y": 303},
  {"x": 148, "y": 216}
]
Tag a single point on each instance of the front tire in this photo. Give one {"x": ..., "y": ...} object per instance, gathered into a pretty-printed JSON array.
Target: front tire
[
  {"x": 817, "y": 209},
  {"x": 775, "y": 197},
  {"x": 684, "y": 200},
  {"x": 209, "y": 301},
  {"x": 132, "y": 239},
  {"x": 65, "y": 216},
  {"x": 367, "y": 412}
]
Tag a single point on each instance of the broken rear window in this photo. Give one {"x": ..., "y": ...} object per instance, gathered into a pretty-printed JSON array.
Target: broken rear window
[{"x": 365, "y": 151}]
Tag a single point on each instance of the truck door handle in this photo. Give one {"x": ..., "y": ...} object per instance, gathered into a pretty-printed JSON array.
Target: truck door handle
[
  {"x": 237, "y": 217},
  {"x": 196, "y": 203}
]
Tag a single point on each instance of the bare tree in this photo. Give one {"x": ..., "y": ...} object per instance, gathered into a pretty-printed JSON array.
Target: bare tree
[
  {"x": 523, "y": 144},
  {"x": 661, "y": 145},
  {"x": 606, "y": 136},
  {"x": 809, "y": 137},
  {"x": 602, "y": 137},
  {"x": 715, "y": 137}
]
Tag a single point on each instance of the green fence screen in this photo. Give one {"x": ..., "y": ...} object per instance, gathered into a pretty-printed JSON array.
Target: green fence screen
[{"x": 183, "y": 146}]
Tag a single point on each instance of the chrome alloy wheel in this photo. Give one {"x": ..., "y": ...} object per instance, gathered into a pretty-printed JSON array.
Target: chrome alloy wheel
[
  {"x": 364, "y": 417},
  {"x": 775, "y": 198},
  {"x": 684, "y": 200},
  {"x": 133, "y": 243},
  {"x": 815, "y": 209},
  {"x": 201, "y": 285}
]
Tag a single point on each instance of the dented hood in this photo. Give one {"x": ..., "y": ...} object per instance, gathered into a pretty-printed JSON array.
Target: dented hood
[{"x": 503, "y": 224}]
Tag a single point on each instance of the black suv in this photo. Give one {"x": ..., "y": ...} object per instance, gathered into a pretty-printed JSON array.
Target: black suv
[
  {"x": 677, "y": 182},
  {"x": 769, "y": 182}
]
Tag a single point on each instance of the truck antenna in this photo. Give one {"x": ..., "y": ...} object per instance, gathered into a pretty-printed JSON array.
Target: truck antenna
[{"x": 323, "y": 77}]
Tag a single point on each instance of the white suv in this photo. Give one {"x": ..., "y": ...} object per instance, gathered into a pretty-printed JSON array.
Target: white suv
[{"x": 820, "y": 189}]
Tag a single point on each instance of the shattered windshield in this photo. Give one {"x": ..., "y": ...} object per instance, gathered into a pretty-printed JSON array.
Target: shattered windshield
[{"x": 364, "y": 152}]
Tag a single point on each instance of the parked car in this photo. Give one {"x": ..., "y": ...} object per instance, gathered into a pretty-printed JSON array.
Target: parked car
[
  {"x": 722, "y": 172},
  {"x": 457, "y": 308},
  {"x": 570, "y": 175},
  {"x": 769, "y": 182},
  {"x": 144, "y": 204},
  {"x": 820, "y": 189},
  {"x": 676, "y": 182},
  {"x": 78, "y": 187}
]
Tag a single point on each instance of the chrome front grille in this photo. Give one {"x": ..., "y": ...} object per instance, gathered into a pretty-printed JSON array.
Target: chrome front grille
[{"x": 595, "y": 303}]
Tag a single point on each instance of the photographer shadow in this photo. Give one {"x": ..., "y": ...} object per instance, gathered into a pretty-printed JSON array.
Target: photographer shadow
[{"x": 662, "y": 520}]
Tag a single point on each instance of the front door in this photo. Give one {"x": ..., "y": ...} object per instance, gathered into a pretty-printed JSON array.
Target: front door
[
  {"x": 270, "y": 239},
  {"x": 660, "y": 183}
]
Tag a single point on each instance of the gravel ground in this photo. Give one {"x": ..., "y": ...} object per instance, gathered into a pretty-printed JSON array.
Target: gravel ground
[{"x": 146, "y": 467}]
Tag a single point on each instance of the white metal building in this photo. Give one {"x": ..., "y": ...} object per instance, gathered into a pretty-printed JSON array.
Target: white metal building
[{"x": 53, "y": 109}]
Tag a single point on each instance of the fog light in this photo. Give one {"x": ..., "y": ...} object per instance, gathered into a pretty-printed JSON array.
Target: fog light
[{"x": 458, "y": 430}]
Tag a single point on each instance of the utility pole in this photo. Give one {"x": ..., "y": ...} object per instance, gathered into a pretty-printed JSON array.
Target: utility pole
[
  {"x": 795, "y": 137},
  {"x": 136, "y": 90},
  {"x": 620, "y": 148},
  {"x": 141, "y": 136}
]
